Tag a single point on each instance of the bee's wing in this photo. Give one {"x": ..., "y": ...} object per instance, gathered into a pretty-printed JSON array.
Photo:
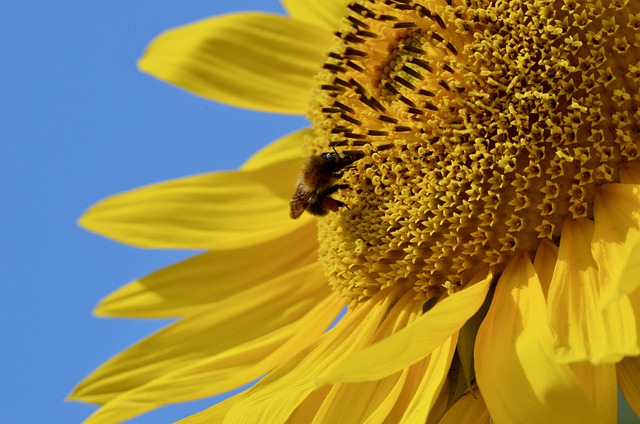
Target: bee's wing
[{"x": 299, "y": 201}]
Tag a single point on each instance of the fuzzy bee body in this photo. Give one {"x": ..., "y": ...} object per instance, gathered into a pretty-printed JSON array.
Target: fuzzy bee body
[{"x": 317, "y": 182}]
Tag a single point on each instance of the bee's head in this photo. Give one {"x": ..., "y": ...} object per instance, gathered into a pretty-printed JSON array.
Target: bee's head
[{"x": 331, "y": 157}]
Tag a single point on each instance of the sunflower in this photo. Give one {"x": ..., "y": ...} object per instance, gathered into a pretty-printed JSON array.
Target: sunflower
[{"x": 485, "y": 236}]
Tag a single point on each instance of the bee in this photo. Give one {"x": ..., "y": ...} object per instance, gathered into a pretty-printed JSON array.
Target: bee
[{"x": 317, "y": 182}]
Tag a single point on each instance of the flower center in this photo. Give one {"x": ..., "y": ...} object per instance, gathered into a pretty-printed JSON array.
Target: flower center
[{"x": 484, "y": 125}]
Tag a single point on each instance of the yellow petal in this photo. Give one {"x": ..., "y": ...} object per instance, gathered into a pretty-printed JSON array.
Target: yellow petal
[
  {"x": 634, "y": 299},
  {"x": 306, "y": 411},
  {"x": 584, "y": 331},
  {"x": 251, "y": 60},
  {"x": 211, "y": 415},
  {"x": 545, "y": 263},
  {"x": 431, "y": 383},
  {"x": 323, "y": 13},
  {"x": 274, "y": 398},
  {"x": 616, "y": 239},
  {"x": 415, "y": 341},
  {"x": 413, "y": 379},
  {"x": 600, "y": 385},
  {"x": 225, "y": 371},
  {"x": 364, "y": 402},
  {"x": 211, "y": 278},
  {"x": 282, "y": 151},
  {"x": 466, "y": 341},
  {"x": 371, "y": 401},
  {"x": 469, "y": 409},
  {"x": 224, "y": 210},
  {"x": 516, "y": 369},
  {"x": 628, "y": 373},
  {"x": 442, "y": 404},
  {"x": 270, "y": 307}
]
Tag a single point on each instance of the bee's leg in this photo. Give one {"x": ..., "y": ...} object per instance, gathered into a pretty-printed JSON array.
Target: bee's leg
[
  {"x": 341, "y": 204},
  {"x": 355, "y": 154},
  {"x": 331, "y": 203}
]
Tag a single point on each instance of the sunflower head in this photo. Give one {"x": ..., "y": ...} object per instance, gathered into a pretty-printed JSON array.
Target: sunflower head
[
  {"x": 484, "y": 126},
  {"x": 484, "y": 144}
]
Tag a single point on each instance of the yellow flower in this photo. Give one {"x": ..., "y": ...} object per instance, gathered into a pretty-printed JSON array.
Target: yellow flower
[{"x": 489, "y": 239}]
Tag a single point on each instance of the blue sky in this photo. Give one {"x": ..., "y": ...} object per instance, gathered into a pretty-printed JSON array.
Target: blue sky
[{"x": 79, "y": 122}]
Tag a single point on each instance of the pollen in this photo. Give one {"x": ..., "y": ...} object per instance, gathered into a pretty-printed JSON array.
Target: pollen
[{"x": 484, "y": 126}]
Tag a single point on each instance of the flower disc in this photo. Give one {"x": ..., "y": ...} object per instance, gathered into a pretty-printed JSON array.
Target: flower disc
[{"x": 485, "y": 126}]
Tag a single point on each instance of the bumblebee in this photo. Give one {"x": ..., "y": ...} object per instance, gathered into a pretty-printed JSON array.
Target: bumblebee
[{"x": 317, "y": 182}]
